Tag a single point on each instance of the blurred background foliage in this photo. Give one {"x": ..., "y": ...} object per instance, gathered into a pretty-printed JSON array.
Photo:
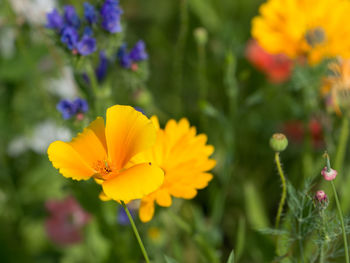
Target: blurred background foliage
[{"x": 209, "y": 81}]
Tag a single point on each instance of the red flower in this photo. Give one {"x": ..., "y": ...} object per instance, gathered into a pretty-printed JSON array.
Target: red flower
[
  {"x": 277, "y": 67},
  {"x": 64, "y": 226},
  {"x": 295, "y": 132}
]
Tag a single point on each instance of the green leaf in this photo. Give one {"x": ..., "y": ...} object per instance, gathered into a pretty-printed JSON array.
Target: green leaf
[
  {"x": 169, "y": 260},
  {"x": 231, "y": 258}
]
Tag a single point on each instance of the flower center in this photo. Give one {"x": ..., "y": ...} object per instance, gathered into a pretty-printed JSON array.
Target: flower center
[
  {"x": 102, "y": 169},
  {"x": 315, "y": 36}
]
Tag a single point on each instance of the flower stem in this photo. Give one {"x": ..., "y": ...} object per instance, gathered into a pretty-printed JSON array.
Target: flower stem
[
  {"x": 323, "y": 234},
  {"x": 284, "y": 188},
  {"x": 340, "y": 213},
  {"x": 137, "y": 235},
  {"x": 341, "y": 149}
]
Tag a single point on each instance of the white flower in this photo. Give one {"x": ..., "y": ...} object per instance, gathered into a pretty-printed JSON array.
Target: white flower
[
  {"x": 39, "y": 140},
  {"x": 34, "y": 11},
  {"x": 64, "y": 86}
]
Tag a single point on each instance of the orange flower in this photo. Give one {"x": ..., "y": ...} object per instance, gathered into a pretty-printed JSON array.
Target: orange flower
[
  {"x": 184, "y": 157},
  {"x": 103, "y": 153},
  {"x": 336, "y": 85}
]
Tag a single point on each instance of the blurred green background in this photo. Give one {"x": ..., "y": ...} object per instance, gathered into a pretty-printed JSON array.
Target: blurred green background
[{"x": 209, "y": 82}]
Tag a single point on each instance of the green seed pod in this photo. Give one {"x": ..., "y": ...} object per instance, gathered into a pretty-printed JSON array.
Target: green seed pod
[{"x": 278, "y": 142}]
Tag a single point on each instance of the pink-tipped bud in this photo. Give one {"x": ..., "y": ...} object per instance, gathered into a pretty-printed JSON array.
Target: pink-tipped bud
[
  {"x": 134, "y": 67},
  {"x": 320, "y": 195},
  {"x": 79, "y": 116},
  {"x": 329, "y": 176},
  {"x": 321, "y": 199}
]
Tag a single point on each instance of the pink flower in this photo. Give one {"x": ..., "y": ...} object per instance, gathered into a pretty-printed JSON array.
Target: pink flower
[
  {"x": 321, "y": 200},
  {"x": 321, "y": 195},
  {"x": 64, "y": 226},
  {"x": 329, "y": 176},
  {"x": 277, "y": 67}
]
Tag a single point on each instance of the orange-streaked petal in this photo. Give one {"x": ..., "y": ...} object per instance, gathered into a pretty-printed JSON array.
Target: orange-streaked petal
[
  {"x": 146, "y": 211},
  {"x": 134, "y": 183},
  {"x": 70, "y": 164},
  {"x": 128, "y": 132},
  {"x": 91, "y": 143}
]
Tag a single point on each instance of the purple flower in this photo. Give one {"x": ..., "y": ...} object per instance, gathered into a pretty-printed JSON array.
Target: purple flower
[
  {"x": 90, "y": 13},
  {"x": 140, "y": 110},
  {"x": 69, "y": 37},
  {"x": 138, "y": 52},
  {"x": 54, "y": 20},
  {"x": 67, "y": 109},
  {"x": 110, "y": 13},
  {"x": 123, "y": 56},
  {"x": 102, "y": 67},
  {"x": 71, "y": 17},
  {"x": 123, "y": 218},
  {"x": 88, "y": 31},
  {"x": 86, "y": 45},
  {"x": 80, "y": 105}
]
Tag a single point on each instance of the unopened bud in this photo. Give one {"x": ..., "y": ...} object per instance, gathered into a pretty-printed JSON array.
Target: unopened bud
[
  {"x": 278, "y": 142},
  {"x": 321, "y": 199},
  {"x": 329, "y": 175}
]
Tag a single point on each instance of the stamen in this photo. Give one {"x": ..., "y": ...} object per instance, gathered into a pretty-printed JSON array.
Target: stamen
[
  {"x": 102, "y": 169},
  {"x": 315, "y": 36}
]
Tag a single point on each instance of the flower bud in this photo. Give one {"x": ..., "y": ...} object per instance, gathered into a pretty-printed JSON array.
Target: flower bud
[
  {"x": 278, "y": 142},
  {"x": 201, "y": 35},
  {"x": 329, "y": 176},
  {"x": 321, "y": 199}
]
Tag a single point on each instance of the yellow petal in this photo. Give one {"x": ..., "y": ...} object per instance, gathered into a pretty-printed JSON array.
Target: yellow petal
[
  {"x": 163, "y": 198},
  {"x": 103, "y": 196},
  {"x": 128, "y": 132},
  {"x": 70, "y": 164},
  {"x": 91, "y": 143},
  {"x": 134, "y": 183},
  {"x": 155, "y": 122},
  {"x": 146, "y": 211}
]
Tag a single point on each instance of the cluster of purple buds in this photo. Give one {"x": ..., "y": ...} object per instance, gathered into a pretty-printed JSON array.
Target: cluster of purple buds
[
  {"x": 76, "y": 108},
  {"x": 321, "y": 199},
  {"x": 76, "y": 33},
  {"x": 129, "y": 60}
]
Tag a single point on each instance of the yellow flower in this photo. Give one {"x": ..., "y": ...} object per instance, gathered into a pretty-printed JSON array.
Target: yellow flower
[
  {"x": 184, "y": 157},
  {"x": 316, "y": 29},
  {"x": 337, "y": 84},
  {"x": 104, "y": 152}
]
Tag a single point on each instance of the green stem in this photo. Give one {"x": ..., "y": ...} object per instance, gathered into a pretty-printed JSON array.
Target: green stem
[
  {"x": 341, "y": 149},
  {"x": 95, "y": 87},
  {"x": 340, "y": 213},
  {"x": 323, "y": 234},
  {"x": 300, "y": 241},
  {"x": 180, "y": 55},
  {"x": 284, "y": 189},
  {"x": 137, "y": 235}
]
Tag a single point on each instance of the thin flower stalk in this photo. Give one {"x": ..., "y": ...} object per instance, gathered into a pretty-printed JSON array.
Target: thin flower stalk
[
  {"x": 340, "y": 213},
  {"x": 284, "y": 188},
  {"x": 136, "y": 232}
]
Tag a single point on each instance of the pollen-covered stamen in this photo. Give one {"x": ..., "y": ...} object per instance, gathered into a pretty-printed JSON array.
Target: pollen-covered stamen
[
  {"x": 102, "y": 169},
  {"x": 315, "y": 36}
]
